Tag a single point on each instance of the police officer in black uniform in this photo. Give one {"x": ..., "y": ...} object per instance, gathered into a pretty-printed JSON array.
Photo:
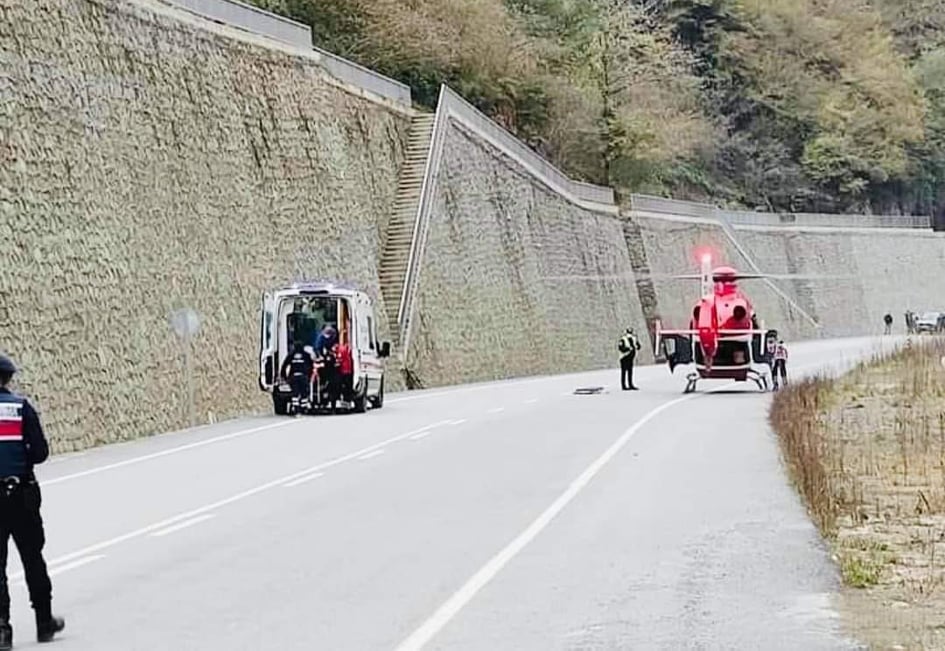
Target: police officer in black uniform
[
  {"x": 297, "y": 369},
  {"x": 628, "y": 345},
  {"x": 22, "y": 444}
]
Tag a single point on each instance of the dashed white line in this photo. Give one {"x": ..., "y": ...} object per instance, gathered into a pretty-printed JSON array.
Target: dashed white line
[
  {"x": 52, "y": 481},
  {"x": 182, "y": 525},
  {"x": 457, "y": 422},
  {"x": 370, "y": 455},
  {"x": 306, "y": 478},
  {"x": 497, "y": 410},
  {"x": 531, "y": 401},
  {"x": 157, "y": 526}
]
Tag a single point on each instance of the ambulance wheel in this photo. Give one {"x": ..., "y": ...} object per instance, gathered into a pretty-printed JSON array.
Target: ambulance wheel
[
  {"x": 280, "y": 405},
  {"x": 378, "y": 401}
]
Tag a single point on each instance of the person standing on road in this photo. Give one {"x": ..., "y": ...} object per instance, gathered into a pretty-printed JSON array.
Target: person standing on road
[
  {"x": 780, "y": 365},
  {"x": 888, "y": 320},
  {"x": 297, "y": 370},
  {"x": 22, "y": 445},
  {"x": 628, "y": 347}
]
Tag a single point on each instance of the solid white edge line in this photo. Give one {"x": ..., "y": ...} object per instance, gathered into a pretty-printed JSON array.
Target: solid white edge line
[
  {"x": 52, "y": 481},
  {"x": 371, "y": 455},
  {"x": 302, "y": 480},
  {"x": 61, "y": 569},
  {"x": 111, "y": 542},
  {"x": 421, "y": 435},
  {"x": 182, "y": 525},
  {"x": 163, "y": 453}
]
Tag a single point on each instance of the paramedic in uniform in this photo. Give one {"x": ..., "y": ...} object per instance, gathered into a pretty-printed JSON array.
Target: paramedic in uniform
[{"x": 22, "y": 444}]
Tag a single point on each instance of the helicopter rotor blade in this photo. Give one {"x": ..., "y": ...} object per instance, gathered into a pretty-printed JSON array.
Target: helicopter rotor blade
[{"x": 717, "y": 278}]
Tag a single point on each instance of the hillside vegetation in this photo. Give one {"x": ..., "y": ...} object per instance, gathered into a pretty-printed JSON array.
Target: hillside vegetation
[{"x": 816, "y": 105}]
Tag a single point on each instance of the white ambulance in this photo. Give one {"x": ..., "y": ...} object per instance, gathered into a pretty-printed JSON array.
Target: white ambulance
[{"x": 298, "y": 313}]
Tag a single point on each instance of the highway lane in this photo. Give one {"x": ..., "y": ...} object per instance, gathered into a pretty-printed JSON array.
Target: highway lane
[{"x": 350, "y": 532}]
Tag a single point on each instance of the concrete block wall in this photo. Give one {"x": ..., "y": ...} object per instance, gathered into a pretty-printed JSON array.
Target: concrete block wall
[
  {"x": 862, "y": 274},
  {"x": 850, "y": 277},
  {"x": 150, "y": 164},
  {"x": 504, "y": 289},
  {"x": 673, "y": 246},
  {"x": 152, "y": 161}
]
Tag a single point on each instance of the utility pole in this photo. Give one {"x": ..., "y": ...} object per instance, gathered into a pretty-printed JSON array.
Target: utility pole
[{"x": 186, "y": 324}]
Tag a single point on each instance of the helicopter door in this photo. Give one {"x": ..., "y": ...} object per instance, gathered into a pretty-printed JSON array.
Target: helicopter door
[{"x": 267, "y": 352}]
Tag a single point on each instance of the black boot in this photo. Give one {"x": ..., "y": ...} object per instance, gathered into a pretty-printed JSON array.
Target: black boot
[
  {"x": 46, "y": 629},
  {"x": 6, "y": 636}
]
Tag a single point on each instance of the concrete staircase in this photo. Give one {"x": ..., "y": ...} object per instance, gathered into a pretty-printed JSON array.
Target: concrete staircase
[{"x": 395, "y": 254}]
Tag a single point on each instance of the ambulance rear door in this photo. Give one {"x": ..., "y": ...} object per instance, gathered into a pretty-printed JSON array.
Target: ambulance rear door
[{"x": 267, "y": 342}]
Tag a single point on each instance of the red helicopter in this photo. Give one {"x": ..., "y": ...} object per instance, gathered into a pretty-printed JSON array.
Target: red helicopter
[{"x": 724, "y": 338}]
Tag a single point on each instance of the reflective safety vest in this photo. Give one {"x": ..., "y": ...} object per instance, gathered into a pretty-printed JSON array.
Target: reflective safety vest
[
  {"x": 300, "y": 364},
  {"x": 628, "y": 346},
  {"x": 13, "y": 460}
]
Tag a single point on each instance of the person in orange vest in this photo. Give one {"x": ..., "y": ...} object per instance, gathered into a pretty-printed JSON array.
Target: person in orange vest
[{"x": 780, "y": 364}]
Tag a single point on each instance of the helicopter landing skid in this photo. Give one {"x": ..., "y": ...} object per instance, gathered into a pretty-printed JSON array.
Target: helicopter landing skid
[{"x": 760, "y": 380}]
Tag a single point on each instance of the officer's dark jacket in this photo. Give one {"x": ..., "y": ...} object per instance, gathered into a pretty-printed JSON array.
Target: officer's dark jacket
[
  {"x": 297, "y": 364},
  {"x": 22, "y": 442}
]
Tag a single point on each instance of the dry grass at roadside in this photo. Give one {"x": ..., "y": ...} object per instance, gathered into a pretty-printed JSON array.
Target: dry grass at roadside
[{"x": 867, "y": 453}]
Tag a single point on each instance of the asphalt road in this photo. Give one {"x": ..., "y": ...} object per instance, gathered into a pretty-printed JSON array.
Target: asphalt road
[{"x": 511, "y": 515}]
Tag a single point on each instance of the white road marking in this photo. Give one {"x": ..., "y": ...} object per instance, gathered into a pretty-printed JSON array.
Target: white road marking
[
  {"x": 457, "y": 422},
  {"x": 61, "y": 569},
  {"x": 182, "y": 525},
  {"x": 137, "y": 533},
  {"x": 306, "y": 478},
  {"x": 371, "y": 455},
  {"x": 422, "y": 635},
  {"x": 497, "y": 410},
  {"x": 233, "y": 435},
  {"x": 531, "y": 401},
  {"x": 164, "y": 453},
  {"x": 417, "y": 437},
  {"x": 67, "y": 456}
]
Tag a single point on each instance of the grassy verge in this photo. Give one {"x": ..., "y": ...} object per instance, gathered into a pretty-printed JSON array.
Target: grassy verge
[{"x": 867, "y": 453}]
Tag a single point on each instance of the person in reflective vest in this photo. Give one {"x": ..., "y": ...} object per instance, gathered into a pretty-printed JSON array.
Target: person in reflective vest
[
  {"x": 780, "y": 364},
  {"x": 22, "y": 445},
  {"x": 628, "y": 347},
  {"x": 297, "y": 370}
]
